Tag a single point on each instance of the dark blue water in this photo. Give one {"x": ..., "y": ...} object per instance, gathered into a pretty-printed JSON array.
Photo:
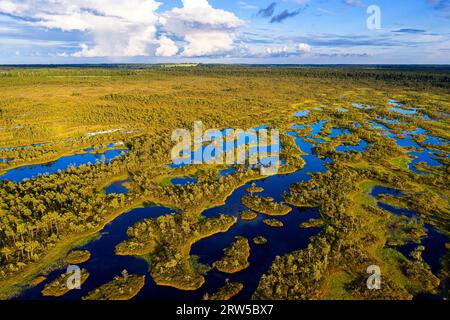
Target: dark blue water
[
  {"x": 425, "y": 156},
  {"x": 117, "y": 187},
  {"x": 361, "y": 147},
  {"x": 434, "y": 242},
  {"x": 336, "y": 132},
  {"x": 211, "y": 153},
  {"x": 183, "y": 181},
  {"x": 19, "y": 174},
  {"x": 105, "y": 265},
  {"x": 227, "y": 172}
]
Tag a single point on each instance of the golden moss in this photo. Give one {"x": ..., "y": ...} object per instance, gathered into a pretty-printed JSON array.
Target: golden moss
[
  {"x": 266, "y": 206},
  {"x": 235, "y": 258},
  {"x": 123, "y": 287},
  {"x": 226, "y": 292},
  {"x": 274, "y": 223},
  {"x": 248, "y": 215},
  {"x": 78, "y": 257},
  {"x": 312, "y": 223},
  {"x": 61, "y": 285},
  {"x": 260, "y": 240}
]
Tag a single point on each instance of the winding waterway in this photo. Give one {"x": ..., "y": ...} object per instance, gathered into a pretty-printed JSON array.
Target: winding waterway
[{"x": 104, "y": 264}]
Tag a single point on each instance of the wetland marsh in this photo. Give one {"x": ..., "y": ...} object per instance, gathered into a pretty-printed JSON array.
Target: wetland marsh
[{"x": 363, "y": 181}]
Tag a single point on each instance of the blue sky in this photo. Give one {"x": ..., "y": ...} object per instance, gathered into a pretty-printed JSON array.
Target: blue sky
[{"x": 223, "y": 31}]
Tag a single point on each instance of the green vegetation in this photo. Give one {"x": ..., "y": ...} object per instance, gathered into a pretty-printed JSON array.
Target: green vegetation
[
  {"x": 248, "y": 215},
  {"x": 225, "y": 293},
  {"x": 312, "y": 223},
  {"x": 266, "y": 206},
  {"x": 55, "y": 112},
  {"x": 260, "y": 240},
  {"x": 274, "y": 223},
  {"x": 235, "y": 257},
  {"x": 60, "y": 286},
  {"x": 254, "y": 189},
  {"x": 123, "y": 287},
  {"x": 38, "y": 280},
  {"x": 77, "y": 257},
  {"x": 169, "y": 239}
]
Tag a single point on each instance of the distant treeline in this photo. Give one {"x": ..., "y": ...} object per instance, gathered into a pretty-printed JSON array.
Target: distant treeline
[{"x": 418, "y": 76}]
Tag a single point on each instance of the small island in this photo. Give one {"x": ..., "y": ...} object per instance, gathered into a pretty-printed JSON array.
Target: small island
[
  {"x": 274, "y": 223},
  {"x": 248, "y": 215},
  {"x": 59, "y": 286},
  {"x": 123, "y": 288},
  {"x": 235, "y": 258},
  {"x": 168, "y": 240},
  {"x": 260, "y": 240},
  {"x": 254, "y": 189},
  {"x": 312, "y": 223},
  {"x": 226, "y": 292},
  {"x": 266, "y": 206},
  {"x": 77, "y": 257}
]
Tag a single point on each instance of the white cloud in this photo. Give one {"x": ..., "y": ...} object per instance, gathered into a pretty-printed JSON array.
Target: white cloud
[
  {"x": 205, "y": 30},
  {"x": 167, "y": 47},
  {"x": 304, "y": 48},
  {"x": 277, "y": 51},
  {"x": 117, "y": 28}
]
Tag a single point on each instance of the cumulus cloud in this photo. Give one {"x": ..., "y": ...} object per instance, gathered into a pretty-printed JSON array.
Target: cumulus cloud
[
  {"x": 117, "y": 28},
  {"x": 130, "y": 28},
  {"x": 167, "y": 47},
  {"x": 204, "y": 29},
  {"x": 304, "y": 48},
  {"x": 288, "y": 50},
  {"x": 278, "y": 51}
]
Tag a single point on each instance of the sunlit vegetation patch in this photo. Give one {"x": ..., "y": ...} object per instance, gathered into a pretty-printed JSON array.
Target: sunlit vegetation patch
[
  {"x": 248, "y": 215},
  {"x": 235, "y": 257},
  {"x": 169, "y": 239},
  {"x": 77, "y": 257},
  {"x": 274, "y": 223},
  {"x": 312, "y": 223},
  {"x": 123, "y": 287},
  {"x": 61, "y": 285},
  {"x": 254, "y": 189},
  {"x": 362, "y": 231},
  {"x": 260, "y": 240},
  {"x": 266, "y": 206},
  {"x": 38, "y": 280},
  {"x": 66, "y": 110},
  {"x": 226, "y": 292}
]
